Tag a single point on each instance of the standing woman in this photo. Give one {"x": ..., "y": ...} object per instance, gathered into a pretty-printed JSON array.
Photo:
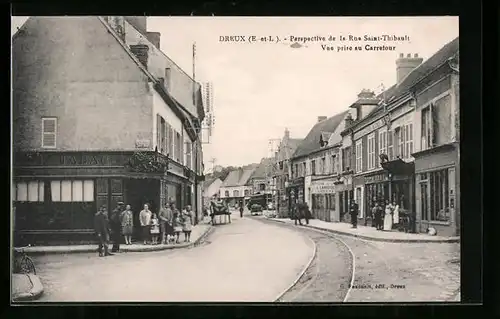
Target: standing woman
[
  {"x": 395, "y": 215},
  {"x": 177, "y": 224},
  {"x": 145, "y": 220},
  {"x": 388, "y": 215},
  {"x": 127, "y": 222},
  {"x": 187, "y": 217}
]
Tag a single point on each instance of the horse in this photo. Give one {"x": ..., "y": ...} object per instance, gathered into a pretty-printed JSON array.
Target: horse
[{"x": 218, "y": 209}]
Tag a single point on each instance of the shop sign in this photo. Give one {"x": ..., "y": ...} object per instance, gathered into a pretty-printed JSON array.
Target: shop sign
[
  {"x": 323, "y": 187},
  {"x": 376, "y": 178}
]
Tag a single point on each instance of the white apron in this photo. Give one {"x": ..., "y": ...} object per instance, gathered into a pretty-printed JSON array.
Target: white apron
[
  {"x": 388, "y": 219},
  {"x": 395, "y": 216}
]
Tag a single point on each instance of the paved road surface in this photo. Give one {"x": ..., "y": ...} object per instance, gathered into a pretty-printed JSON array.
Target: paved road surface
[
  {"x": 242, "y": 261},
  {"x": 384, "y": 272}
]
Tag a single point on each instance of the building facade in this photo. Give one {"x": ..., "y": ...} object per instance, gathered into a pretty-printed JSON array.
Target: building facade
[
  {"x": 282, "y": 174},
  {"x": 236, "y": 188},
  {"x": 314, "y": 163},
  {"x": 127, "y": 129},
  {"x": 394, "y": 136}
]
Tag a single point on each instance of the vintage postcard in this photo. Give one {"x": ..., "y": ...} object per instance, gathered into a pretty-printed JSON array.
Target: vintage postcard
[{"x": 235, "y": 159}]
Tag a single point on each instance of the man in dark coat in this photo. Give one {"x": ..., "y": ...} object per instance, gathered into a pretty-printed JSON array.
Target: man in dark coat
[
  {"x": 101, "y": 226},
  {"x": 115, "y": 225},
  {"x": 354, "y": 211},
  {"x": 304, "y": 212},
  {"x": 241, "y": 209},
  {"x": 296, "y": 214}
]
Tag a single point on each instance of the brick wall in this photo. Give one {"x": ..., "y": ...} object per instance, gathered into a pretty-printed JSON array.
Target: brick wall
[{"x": 73, "y": 69}]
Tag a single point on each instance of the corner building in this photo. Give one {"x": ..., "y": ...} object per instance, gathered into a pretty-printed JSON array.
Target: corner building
[{"x": 100, "y": 115}]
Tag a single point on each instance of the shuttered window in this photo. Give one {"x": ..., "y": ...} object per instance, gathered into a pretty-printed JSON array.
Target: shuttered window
[{"x": 49, "y": 132}]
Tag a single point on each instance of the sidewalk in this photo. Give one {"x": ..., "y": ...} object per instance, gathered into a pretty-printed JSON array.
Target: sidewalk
[
  {"x": 370, "y": 233},
  {"x": 199, "y": 231},
  {"x": 26, "y": 287}
]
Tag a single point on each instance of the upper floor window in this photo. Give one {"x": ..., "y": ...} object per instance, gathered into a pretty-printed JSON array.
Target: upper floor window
[
  {"x": 226, "y": 193},
  {"x": 262, "y": 187},
  {"x": 382, "y": 142},
  {"x": 403, "y": 139},
  {"x": 189, "y": 148},
  {"x": 304, "y": 169},
  {"x": 346, "y": 159},
  {"x": 323, "y": 165},
  {"x": 359, "y": 156},
  {"x": 178, "y": 148},
  {"x": 408, "y": 140},
  {"x": 236, "y": 193},
  {"x": 313, "y": 167},
  {"x": 436, "y": 126},
  {"x": 49, "y": 132},
  {"x": 371, "y": 151},
  {"x": 390, "y": 148}
]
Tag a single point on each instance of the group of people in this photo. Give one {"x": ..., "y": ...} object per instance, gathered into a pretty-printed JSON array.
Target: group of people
[
  {"x": 301, "y": 211},
  {"x": 163, "y": 228},
  {"x": 384, "y": 216}
]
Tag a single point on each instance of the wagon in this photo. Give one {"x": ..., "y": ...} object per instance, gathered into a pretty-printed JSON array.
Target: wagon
[{"x": 219, "y": 213}]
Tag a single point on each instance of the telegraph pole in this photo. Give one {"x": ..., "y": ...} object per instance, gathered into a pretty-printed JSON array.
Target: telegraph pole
[{"x": 272, "y": 143}]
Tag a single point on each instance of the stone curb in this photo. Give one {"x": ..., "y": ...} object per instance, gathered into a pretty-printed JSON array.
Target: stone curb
[
  {"x": 124, "y": 249},
  {"x": 390, "y": 240},
  {"x": 35, "y": 292}
]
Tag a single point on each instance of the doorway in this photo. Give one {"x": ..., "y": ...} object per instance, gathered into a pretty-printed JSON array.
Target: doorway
[{"x": 140, "y": 192}]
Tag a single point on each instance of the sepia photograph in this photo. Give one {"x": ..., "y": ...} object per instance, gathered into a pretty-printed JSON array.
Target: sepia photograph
[{"x": 235, "y": 159}]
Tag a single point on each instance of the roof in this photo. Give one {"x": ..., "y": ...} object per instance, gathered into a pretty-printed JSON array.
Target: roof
[
  {"x": 311, "y": 142},
  {"x": 238, "y": 177},
  {"x": 209, "y": 181},
  {"x": 263, "y": 169},
  {"x": 398, "y": 90},
  {"x": 286, "y": 151}
]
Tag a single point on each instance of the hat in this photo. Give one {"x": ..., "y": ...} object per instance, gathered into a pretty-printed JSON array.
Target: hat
[{"x": 120, "y": 203}]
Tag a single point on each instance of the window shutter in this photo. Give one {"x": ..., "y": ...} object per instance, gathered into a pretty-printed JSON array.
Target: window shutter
[
  {"x": 49, "y": 131},
  {"x": 434, "y": 125},
  {"x": 158, "y": 130}
]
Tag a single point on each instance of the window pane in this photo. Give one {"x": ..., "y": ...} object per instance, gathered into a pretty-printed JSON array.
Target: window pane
[
  {"x": 41, "y": 191},
  {"x": 77, "y": 191},
  {"x": 55, "y": 190},
  {"x": 22, "y": 192},
  {"x": 65, "y": 191},
  {"x": 33, "y": 191}
]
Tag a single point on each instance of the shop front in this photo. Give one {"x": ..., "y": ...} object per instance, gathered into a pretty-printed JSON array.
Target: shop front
[
  {"x": 295, "y": 192},
  {"x": 323, "y": 206},
  {"x": 344, "y": 191},
  {"x": 56, "y": 194},
  {"x": 438, "y": 190}
]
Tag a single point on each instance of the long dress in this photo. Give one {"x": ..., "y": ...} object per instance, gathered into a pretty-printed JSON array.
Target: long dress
[
  {"x": 187, "y": 225},
  {"x": 127, "y": 223},
  {"x": 388, "y": 217},
  {"x": 395, "y": 215}
]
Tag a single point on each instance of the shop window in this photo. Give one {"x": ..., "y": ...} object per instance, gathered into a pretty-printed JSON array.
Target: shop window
[
  {"x": 435, "y": 190},
  {"x": 72, "y": 191},
  {"x": 49, "y": 132},
  {"x": 359, "y": 201},
  {"x": 32, "y": 191}
]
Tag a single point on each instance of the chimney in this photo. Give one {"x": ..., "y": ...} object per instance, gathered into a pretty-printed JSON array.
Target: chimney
[
  {"x": 348, "y": 120},
  {"x": 141, "y": 52},
  {"x": 404, "y": 65},
  {"x": 138, "y": 22},
  {"x": 366, "y": 94},
  {"x": 322, "y": 118},
  {"x": 154, "y": 37}
]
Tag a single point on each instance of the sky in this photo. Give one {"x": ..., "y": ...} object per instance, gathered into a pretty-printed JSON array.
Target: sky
[{"x": 261, "y": 88}]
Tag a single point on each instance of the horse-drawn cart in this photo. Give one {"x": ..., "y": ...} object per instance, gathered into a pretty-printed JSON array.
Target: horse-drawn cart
[{"x": 219, "y": 213}]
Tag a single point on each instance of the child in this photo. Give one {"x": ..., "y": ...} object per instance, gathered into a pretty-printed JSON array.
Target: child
[
  {"x": 177, "y": 224},
  {"x": 155, "y": 229}
]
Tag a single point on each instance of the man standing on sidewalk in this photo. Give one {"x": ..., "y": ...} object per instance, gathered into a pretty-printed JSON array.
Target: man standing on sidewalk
[
  {"x": 101, "y": 225},
  {"x": 241, "y": 209},
  {"x": 354, "y": 210},
  {"x": 165, "y": 216},
  {"x": 115, "y": 224}
]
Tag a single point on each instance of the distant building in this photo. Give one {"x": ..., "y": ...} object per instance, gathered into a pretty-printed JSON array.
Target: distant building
[
  {"x": 282, "y": 171},
  {"x": 235, "y": 187},
  {"x": 261, "y": 180},
  {"x": 211, "y": 189}
]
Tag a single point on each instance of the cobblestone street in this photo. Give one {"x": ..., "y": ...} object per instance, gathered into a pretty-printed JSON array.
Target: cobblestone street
[{"x": 384, "y": 272}]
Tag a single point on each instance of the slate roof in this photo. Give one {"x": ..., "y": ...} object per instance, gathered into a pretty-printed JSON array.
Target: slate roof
[
  {"x": 238, "y": 177},
  {"x": 398, "y": 90},
  {"x": 311, "y": 142}
]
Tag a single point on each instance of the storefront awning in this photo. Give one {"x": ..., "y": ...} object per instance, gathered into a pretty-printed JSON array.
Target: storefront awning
[{"x": 399, "y": 167}]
